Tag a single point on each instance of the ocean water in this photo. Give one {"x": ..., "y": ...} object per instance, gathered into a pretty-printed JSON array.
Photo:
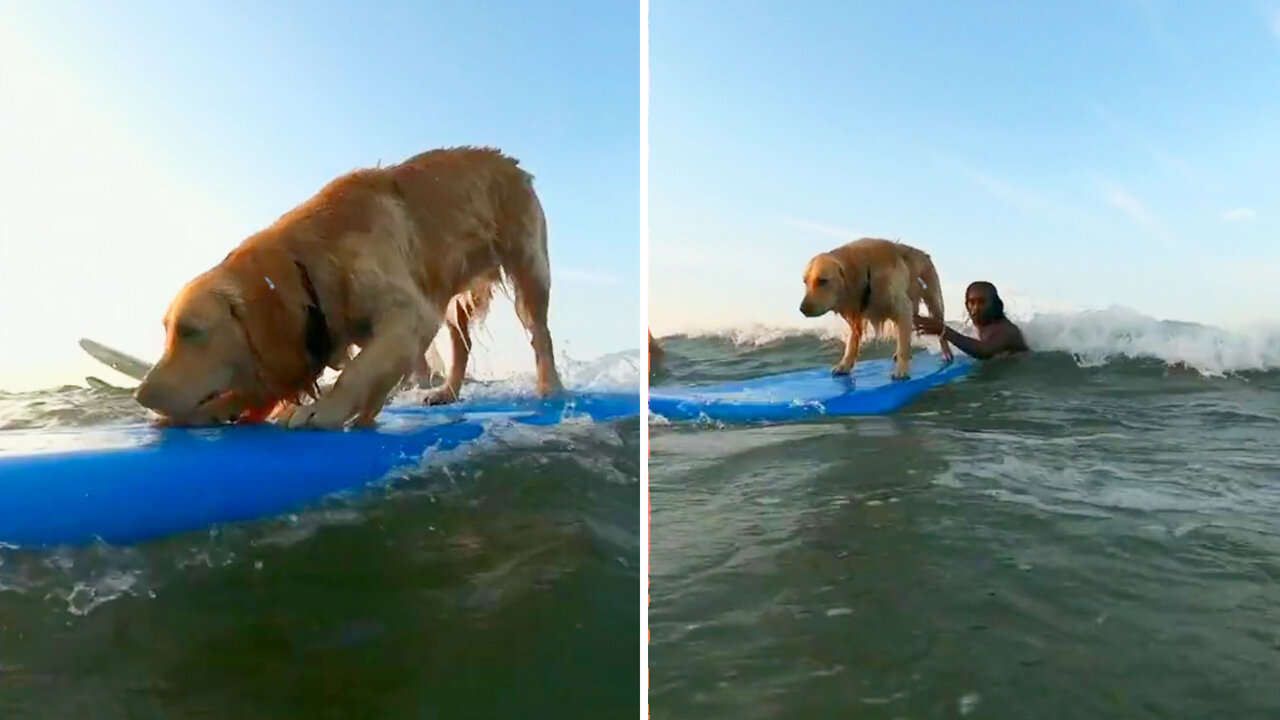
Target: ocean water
[
  {"x": 1090, "y": 532},
  {"x": 500, "y": 582}
]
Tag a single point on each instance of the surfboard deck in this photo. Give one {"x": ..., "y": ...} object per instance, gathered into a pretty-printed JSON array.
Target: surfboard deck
[
  {"x": 130, "y": 482},
  {"x": 808, "y": 393}
]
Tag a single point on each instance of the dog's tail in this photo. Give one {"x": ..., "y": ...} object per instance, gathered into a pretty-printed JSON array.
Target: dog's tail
[
  {"x": 915, "y": 258},
  {"x": 920, "y": 265},
  {"x": 474, "y": 302},
  {"x": 473, "y": 305},
  {"x": 431, "y": 368}
]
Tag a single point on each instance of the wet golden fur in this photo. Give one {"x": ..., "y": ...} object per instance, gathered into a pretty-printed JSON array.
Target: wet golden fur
[
  {"x": 390, "y": 253},
  {"x": 900, "y": 277}
]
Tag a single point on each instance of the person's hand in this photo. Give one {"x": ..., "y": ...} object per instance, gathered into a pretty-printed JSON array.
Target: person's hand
[{"x": 929, "y": 325}]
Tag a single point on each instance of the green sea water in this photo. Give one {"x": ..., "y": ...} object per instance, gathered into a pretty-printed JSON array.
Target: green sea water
[
  {"x": 1049, "y": 538},
  {"x": 502, "y": 583}
]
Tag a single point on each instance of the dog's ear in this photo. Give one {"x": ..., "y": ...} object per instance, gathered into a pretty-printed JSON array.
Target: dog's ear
[
  {"x": 841, "y": 270},
  {"x": 268, "y": 302}
]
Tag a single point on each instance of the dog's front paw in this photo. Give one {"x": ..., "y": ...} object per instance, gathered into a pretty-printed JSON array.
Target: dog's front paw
[
  {"x": 841, "y": 368},
  {"x": 323, "y": 414},
  {"x": 948, "y": 357}
]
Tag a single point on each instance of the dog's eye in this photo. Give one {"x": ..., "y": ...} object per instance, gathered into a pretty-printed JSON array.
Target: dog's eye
[
  {"x": 822, "y": 281},
  {"x": 189, "y": 332}
]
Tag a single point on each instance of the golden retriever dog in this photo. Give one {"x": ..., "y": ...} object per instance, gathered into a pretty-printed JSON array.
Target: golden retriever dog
[
  {"x": 869, "y": 282},
  {"x": 377, "y": 259}
]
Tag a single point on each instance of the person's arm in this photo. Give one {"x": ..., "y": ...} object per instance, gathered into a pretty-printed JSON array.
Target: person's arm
[{"x": 1001, "y": 339}]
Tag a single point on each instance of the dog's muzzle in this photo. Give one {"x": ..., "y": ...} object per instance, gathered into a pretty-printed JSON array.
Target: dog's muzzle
[{"x": 806, "y": 309}]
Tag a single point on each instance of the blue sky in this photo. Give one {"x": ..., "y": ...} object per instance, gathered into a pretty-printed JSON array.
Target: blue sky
[
  {"x": 142, "y": 140},
  {"x": 1079, "y": 155}
]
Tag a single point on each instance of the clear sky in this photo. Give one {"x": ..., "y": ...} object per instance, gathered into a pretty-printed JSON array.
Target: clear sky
[
  {"x": 1078, "y": 154},
  {"x": 140, "y": 141}
]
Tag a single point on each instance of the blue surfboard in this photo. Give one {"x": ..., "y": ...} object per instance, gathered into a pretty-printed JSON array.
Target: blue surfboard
[
  {"x": 808, "y": 393},
  {"x": 128, "y": 483}
]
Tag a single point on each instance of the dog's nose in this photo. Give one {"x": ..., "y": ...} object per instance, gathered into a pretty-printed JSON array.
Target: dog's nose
[
  {"x": 804, "y": 308},
  {"x": 150, "y": 395}
]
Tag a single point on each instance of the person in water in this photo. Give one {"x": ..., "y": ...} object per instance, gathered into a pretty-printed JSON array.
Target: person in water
[{"x": 997, "y": 334}]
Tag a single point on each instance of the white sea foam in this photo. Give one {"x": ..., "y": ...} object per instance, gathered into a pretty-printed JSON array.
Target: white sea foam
[
  {"x": 1092, "y": 337},
  {"x": 1096, "y": 337}
]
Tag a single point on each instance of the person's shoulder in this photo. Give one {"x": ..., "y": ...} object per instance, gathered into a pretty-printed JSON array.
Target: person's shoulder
[{"x": 1013, "y": 336}]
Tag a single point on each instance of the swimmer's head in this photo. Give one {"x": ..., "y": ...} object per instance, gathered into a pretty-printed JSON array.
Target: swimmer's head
[{"x": 983, "y": 303}]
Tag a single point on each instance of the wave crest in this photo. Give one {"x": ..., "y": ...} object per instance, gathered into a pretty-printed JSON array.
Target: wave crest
[{"x": 1092, "y": 338}]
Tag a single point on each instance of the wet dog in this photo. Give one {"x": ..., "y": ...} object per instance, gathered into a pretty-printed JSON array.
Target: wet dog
[
  {"x": 378, "y": 259},
  {"x": 869, "y": 282}
]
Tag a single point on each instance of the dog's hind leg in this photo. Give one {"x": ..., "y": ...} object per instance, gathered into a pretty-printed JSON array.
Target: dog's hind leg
[
  {"x": 932, "y": 297},
  {"x": 529, "y": 269},
  {"x": 463, "y": 309},
  {"x": 532, "y": 300}
]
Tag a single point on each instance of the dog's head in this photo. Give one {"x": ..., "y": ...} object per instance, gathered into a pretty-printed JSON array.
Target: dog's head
[
  {"x": 824, "y": 285},
  {"x": 234, "y": 345}
]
